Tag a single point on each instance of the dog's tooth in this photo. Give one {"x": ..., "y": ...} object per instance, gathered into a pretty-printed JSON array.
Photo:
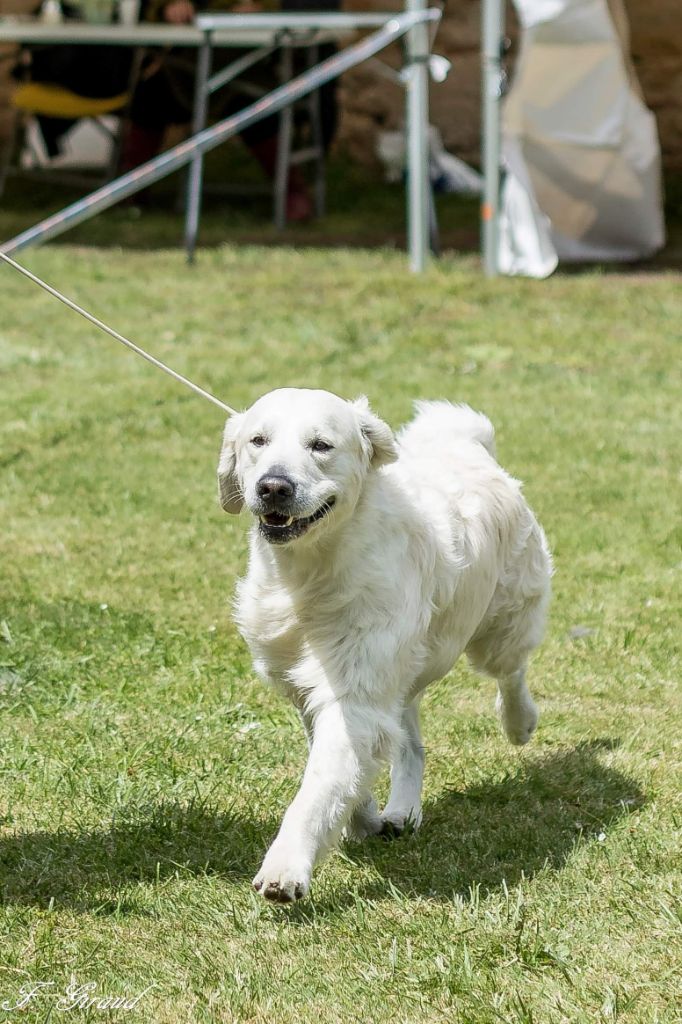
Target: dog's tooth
[{"x": 289, "y": 521}]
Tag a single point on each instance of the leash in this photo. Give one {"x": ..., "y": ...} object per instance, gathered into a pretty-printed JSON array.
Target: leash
[{"x": 118, "y": 337}]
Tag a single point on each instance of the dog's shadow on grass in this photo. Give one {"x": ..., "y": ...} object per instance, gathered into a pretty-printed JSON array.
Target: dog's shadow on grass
[
  {"x": 472, "y": 839},
  {"x": 495, "y": 833},
  {"x": 97, "y": 870}
]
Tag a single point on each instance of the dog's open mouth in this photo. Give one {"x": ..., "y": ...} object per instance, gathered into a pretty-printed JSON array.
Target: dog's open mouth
[{"x": 279, "y": 528}]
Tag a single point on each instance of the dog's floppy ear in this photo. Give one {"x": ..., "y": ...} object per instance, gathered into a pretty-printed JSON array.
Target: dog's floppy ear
[
  {"x": 231, "y": 497},
  {"x": 377, "y": 436}
]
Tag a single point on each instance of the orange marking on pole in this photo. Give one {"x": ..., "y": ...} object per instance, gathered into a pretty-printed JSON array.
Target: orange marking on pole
[{"x": 486, "y": 211}]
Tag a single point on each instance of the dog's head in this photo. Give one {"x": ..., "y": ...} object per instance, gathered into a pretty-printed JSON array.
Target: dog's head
[{"x": 297, "y": 458}]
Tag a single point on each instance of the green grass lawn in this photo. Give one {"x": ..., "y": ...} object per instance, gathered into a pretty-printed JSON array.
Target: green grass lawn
[
  {"x": 361, "y": 210},
  {"x": 144, "y": 769}
]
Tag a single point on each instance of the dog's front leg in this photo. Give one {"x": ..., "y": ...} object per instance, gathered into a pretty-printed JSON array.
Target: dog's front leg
[
  {"x": 342, "y": 766},
  {"x": 407, "y": 771}
]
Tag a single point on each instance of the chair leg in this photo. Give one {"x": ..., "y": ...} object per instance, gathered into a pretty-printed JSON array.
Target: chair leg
[
  {"x": 116, "y": 146},
  {"x": 113, "y": 137}
]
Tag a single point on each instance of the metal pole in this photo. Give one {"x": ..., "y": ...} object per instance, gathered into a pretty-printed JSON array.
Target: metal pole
[
  {"x": 417, "y": 121},
  {"x": 493, "y": 33},
  {"x": 196, "y": 167},
  {"x": 237, "y": 67}
]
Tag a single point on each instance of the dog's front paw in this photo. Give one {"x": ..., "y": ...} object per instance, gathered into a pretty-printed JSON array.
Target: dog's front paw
[
  {"x": 394, "y": 823},
  {"x": 283, "y": 877}
]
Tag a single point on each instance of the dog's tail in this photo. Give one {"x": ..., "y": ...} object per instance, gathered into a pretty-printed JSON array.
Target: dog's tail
[{"x": 451, "y": 420}]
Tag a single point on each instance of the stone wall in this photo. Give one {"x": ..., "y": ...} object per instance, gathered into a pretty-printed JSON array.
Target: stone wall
[
  {"x": 371, "y": 103},
  {"x": 656, "y": 48}
]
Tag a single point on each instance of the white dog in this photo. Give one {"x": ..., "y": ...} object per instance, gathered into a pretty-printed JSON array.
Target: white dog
[{"x": 375, "y": 561}]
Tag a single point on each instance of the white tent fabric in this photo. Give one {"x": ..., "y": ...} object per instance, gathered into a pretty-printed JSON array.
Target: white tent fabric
[
  {"x": 525, "y": 232},
  {"x": 578, "y": 144}
]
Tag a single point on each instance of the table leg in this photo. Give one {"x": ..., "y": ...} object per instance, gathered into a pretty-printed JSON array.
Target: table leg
[
  {"x": 317, "y": 134},
  {"x": 196, "y": 168},
  {"x": 417, "y": 117},
  {"x": 284, "y": 138},
  {"x": 493, "y": 33}
]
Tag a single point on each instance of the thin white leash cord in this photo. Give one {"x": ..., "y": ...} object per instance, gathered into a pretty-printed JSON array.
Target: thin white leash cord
[{"x": 119, "y": 337}]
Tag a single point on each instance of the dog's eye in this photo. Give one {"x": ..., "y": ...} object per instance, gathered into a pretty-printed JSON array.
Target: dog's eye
[
  {"x": 321, "y": 446},
  {"x": 259, "y": 441}
]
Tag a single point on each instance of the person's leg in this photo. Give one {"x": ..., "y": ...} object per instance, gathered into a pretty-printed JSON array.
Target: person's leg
[
  {"x": 161, "y": 99},
  {"x": 140, "y": 144},
  {"x": 262, "y": 140}
]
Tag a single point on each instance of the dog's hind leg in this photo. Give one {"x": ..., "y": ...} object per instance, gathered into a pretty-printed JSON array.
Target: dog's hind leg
[
  {"x": 502, "y": 652},
  {"x": 404, "y": 807},
  {"x": 503, "y": 643},
  {"x": 516, "y": 707}
]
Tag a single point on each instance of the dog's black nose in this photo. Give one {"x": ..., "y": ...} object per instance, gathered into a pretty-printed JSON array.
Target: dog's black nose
[{"x": 277, "y": 489}]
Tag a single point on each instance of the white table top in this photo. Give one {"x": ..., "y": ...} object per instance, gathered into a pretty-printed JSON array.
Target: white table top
[
  {"x": 304, "y": 21},
  {"x": 233, "y": 32}
]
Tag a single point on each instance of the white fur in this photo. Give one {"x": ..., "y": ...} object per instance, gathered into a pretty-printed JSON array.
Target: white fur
[{"x": 429, "y": 551}]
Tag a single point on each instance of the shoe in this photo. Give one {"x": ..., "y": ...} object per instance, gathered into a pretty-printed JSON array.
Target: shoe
[{"x": 299, "y": 204}]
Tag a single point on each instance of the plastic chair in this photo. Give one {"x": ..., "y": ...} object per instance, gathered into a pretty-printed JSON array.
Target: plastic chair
[{"x": 36, "y": 99}]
